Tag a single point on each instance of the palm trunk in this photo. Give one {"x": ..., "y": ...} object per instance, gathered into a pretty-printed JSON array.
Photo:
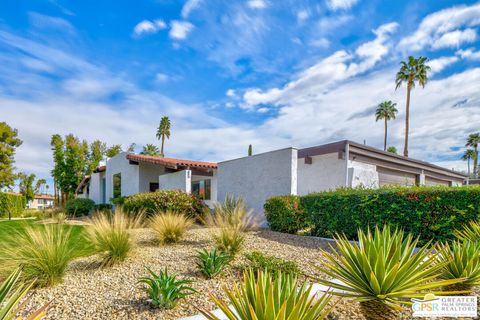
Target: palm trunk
[
  {"x": 163, "y": 141},
  {"x": 468, "y": 167},
  {"x": 407, "y": 110},
  {"x": 385, "y": 138},
  {"x": 475, "y": 163}
]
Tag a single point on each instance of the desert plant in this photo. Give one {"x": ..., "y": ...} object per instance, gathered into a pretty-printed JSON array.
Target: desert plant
[
  {"x": 165, "y": 289},
  {"x": 43, "y": 252},
  {"x": 212, "y": 263},
  {"x": 263, "y": 297},
  {"x": 77, "y": 207},
  {"x": 228, "y": 240},
  {"x": 383, "y": 271},
  {"x": 232, "y": 212},
  {"x": 60, "y": 217},
  {"x": 170, "y": 227},
  {"x": 110, "y": 235},
  {"x": 460, "y": 259},
  {"x": 470, "y": 232},
  {"x": 258, "y": 261}
]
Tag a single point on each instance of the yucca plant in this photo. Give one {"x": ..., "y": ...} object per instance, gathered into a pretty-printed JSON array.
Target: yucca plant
[
  {"x": 12, "y": 291},
  {"x": 110, "y": 235},
  {"x": 228, "y": 240},
  {"x": 383, "y": 271},
  {"x": 261, "y": 296},
  {"x": 43, "y": 252},
  {"x": 469, "y": 232},
  {"x": 170, "y": 227},
  {"x": 165, "y": 289},
  {"x": 460, "y": 259},
  {"x": 212, "y": 263}
]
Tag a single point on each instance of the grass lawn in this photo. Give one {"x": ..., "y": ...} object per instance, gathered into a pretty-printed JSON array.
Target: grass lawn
[{"x": 76, "y": 235}]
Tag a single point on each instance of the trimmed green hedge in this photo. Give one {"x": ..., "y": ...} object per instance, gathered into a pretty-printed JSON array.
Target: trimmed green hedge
[
  {"x": 79, "y": 207},
  {"x": 165, "y": 200},
  {"x": 284, "y": 214},
  {"x": 11, "y": 203},
  {"x": 432, "y": 213}
]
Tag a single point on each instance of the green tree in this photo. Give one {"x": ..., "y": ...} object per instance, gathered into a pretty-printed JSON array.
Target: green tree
[
  {"x": 473, "y": 141},
  {"x": 386, "y": 111},
  {"x": 150, "y": 150},
  {"x": 468, "y": 155},
  {"x": 39, "y": 186},
  {"x": 58, "y": 172},
  {"x": 98, "y": 150},
  {"x": 25, "y": 185},
  {"x": 411, "y": 72},
  {"x": 163, "y": 131},
  {"x": 392, "y": 149},
  {"x": 250, "y": 150},
  {"x": 76, "y": 164},
  {"x": 9, "y": 142},
  {"x": 131, "y": 147},
  {"x": 114, "y": 150}
]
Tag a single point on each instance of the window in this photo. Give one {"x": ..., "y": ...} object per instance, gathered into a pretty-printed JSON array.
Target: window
[
  {"x": 202, "y": 188},
  {"x": 104, "y": 190},
  {"x": 117, "y": 185},
  {"x": 154, "y": 186}
]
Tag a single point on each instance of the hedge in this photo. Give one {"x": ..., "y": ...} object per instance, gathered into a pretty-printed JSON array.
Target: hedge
[
  {"x": 165, "y": 200},
  {"x": 11, "y": 203},
  {"x": 77, "y": 207},
  {"x": 284, "y": 214}
]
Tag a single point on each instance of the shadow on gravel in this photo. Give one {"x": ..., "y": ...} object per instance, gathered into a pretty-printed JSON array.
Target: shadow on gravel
[{"x": 294, "y": 240}]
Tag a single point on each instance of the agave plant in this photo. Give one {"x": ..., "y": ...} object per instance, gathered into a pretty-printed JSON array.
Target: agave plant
[
  {"x": 383, "y": 271},
  {"x": 261, "y": 296},
  {"x": 211, "y": 263},
  {"x": 165, "y": 289},
  {"x": 460, "y": 259},
  {"x": 469, "y": 232}
]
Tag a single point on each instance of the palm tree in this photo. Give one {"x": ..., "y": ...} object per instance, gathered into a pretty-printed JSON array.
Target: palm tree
[
  {"x": 163, "y": 131},
  {"x": 473, "y": 141},
  {"x": 415, "y": 70},
  {"x": 467, "y": 156},
  {"x": 150, "y": 150},
  {"x": 386, "y": 111}
]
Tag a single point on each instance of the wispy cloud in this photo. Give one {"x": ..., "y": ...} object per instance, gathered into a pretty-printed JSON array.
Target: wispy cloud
[
  {"x": 341, "y": 4},
  {"x": 257, "y": 4},
  {"x": 180, "y": 29},
  {"x": 149, "y": 27},
  {"x": 189, "y": 6}
]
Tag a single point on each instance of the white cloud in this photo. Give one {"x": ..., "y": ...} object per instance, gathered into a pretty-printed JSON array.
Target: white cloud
[
  {"x": 161, "y": 77},
  {"x": 455, "y": 38},
  {"x": 303, "y": 15},
  {"x": 341, "y": 4},
  {"x": 469, "y": 54},
  {"x": 257, "y": 4},
  {"x": 437, "y": 65},
  {"x": 231, "y": 93},
  {"x": 180, "y": 29},
  {"x": 149, "y": 27},
  {"x": 189, "y": 6},
  {"x": 444, "y": 26}
]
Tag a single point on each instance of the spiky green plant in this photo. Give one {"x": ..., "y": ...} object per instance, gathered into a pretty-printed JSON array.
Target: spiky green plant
[
  {"x": 460, "y": 259},
  {"x": 212, "y": 263},
  {"x": 382, "y": 271},
  {"x": 165, "y": 289},
  {"x": 43, "y": 252},
  {"x": 170, "y": 227},
  {"x": 281, "y": 297},
  {"x": 470, "y": 232}
]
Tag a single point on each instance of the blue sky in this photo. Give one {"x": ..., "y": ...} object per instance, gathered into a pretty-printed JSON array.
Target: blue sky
[{"x": 230, "y": 73}]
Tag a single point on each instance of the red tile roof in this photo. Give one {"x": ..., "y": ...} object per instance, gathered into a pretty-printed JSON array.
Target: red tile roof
[
  {"x": 100, "y": 169},
  {"x": 44, "y": 196},
  {"x": 171, "y": 161}
]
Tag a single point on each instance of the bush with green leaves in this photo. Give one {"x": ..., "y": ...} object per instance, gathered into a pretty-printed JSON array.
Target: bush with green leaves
[
  {"x": 166, "y": 200},
  {"x": 78, "y": 207},
  {"x": 11, "y": 205},
  {"x": 259, "y": 261},
  {"x": 165, "y": 289},
  {"x": 284, "y": 214},
  {"x": 261, "y": 296},
  {"x": 212, "y": 263},
  {"x": 103, "y": 207}
]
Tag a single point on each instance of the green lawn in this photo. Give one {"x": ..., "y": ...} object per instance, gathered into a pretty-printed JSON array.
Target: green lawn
[{"x": 76, "y": 236}]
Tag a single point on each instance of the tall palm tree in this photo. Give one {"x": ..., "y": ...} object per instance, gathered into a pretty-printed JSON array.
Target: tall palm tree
[
  {"x": 414, "y": 70},
  {"x": 150, "y": 150},
  {"x": 467, "y": 156},
  {"x": 473, "y": 141},
  {"x": 163, "y": 132},
  {"x": 386, "y": 111}
]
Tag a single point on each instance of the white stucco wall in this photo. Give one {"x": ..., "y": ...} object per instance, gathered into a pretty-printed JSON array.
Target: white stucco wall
[
  {"x": 96, "y": 187},
  {"x": 180, "y": 180},
  {"x": 327, "y": 172},
  {"x": 130, "y": 175},
  {"x": 258, "y": 177},
  {"x": 148, "y": 173},
  {"x": 361, "y": 174}
]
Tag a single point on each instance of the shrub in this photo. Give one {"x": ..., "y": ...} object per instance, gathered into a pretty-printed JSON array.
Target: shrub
[
  {"x": 11, "y": 205},
  {"x": 78, "y": 207},
  {"x": 284, "y": 214},
  {"x": 169, "y": 227},
  {"x": 163, "y": 201},
  {"x": 382, "y": 271},
  {"x": 431, "y": 213},
  {"x": 165, "y": 289},
  {"x": 263, "y": 297},
  {"x": 228, "y": 240},
  {"x": 103, "y": 207},
  {"x": 232, "y": 213},
  {"x": 42, "y": 252},
  {"x": 59, "y": 217},
  {"x": 211, "y": 263},
  {"x": 110, "y": 236},
  {"x": 258, "y": 261}
]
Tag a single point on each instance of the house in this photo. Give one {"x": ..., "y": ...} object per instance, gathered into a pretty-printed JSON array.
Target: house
[
  {"x": 258, "y": 177},
  {"x": 41, "y": 201}
]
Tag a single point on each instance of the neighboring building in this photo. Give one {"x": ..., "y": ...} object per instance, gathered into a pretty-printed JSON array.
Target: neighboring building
[
  {"x": 41, "y": 201},
  {"x": 258, "y": 177}
]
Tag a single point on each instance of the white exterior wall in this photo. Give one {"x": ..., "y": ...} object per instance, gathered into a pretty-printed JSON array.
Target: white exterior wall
[
  {"x": 327, "y": 172},
  {"x": 130, "y": 175},
  {"x": 258, "y": 177},
  {"x": 96, "y": 187},
  {"x": 180, "y": 180},
  {"x": 213, "y": 186},
  {"x": 148, "y": 173},
  {"x": 361, "y": 174}
]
